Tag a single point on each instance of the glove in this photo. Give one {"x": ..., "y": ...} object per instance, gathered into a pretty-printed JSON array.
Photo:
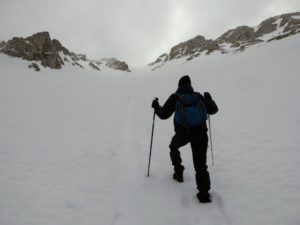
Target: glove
[
  {"x": 155, "y": 103},
  {"x": 207, "y": 96}
]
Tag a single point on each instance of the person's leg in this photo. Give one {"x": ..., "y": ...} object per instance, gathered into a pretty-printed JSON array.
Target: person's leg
[
  {"x": 199, "y": 143},
  {"x": 179, "y": 139}
]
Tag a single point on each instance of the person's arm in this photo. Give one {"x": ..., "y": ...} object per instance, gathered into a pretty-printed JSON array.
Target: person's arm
[
  {"x": 167, "y": 109},
  {"x": 210, "y": 104}
]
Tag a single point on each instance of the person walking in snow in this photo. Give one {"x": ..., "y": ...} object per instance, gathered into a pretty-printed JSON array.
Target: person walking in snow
[{"x": 191, "y": 109}]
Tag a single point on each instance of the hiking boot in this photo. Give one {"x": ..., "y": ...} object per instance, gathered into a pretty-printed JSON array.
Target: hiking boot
[
  {"x": 178, "y": 177},
  {"x": 204, "y": 197},
  {"x": 178, "y": 174}
]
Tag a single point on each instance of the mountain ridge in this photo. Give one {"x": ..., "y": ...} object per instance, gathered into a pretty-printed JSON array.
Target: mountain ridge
[
  {"x": 234, "y": 40},
  {"x": 44, "y": 52},
  {"x": 40, "y": 48}
]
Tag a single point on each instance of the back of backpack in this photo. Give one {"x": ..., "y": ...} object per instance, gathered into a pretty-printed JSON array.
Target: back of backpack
[{"x": 190, "y": 111}]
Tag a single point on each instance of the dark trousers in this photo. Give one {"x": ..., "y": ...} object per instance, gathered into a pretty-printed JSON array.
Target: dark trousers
[{"x": 198, "y": 139}]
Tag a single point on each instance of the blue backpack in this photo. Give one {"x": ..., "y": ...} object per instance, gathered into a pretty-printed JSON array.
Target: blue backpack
[{"x": 190, "y": 110}]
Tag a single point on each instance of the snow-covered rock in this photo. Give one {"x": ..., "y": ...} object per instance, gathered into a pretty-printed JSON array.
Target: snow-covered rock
[
  {"x": 193, "y": 48},
  {"x": 114, "y": 63}
]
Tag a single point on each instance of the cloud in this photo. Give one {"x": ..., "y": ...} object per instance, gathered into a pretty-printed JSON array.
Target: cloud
[{"x": 136, "y": 31}]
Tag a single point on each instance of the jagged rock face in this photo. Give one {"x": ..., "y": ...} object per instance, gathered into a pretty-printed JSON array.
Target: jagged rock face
[
  {"x": 290, "y": 22},
  {"x": 38, "y": 47},
  {"x": 2, "y": 44},
  {"x": 266, "y": 27},
  {"x": 116, "y": 64},
  {"x": 82, "y": 57},
  {"x": 193, "y": 46},
  {"x": 94, "y": 65},
  {"x": 237, "y": 35},
  {"x": 162, "y": 58}
]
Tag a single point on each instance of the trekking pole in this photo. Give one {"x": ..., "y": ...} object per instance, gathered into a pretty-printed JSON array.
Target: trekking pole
[
  {"x": 211, "y": 147},
  {"x": 151, "y": 142}
]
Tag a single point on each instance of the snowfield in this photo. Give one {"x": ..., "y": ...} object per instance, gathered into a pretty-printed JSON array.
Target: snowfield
[{"x": 74, "y": 143}]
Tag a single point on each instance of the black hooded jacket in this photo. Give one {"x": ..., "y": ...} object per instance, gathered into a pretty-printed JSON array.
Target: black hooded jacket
[{"x": 168, "y": 108}]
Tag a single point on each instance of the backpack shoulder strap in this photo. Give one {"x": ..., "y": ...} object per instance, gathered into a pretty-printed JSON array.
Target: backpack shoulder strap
[{"x": 180, "y": 97}]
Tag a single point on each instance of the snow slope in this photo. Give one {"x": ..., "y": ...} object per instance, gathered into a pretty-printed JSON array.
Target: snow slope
[{"x": 74, "y": 144}]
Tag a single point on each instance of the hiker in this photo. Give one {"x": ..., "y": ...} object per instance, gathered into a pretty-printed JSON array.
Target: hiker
[{"x": 189, "y": 129}]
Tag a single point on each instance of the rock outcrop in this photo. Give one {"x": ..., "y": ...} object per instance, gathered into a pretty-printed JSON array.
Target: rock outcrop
[
  {"x": 193, "y": 48},
  {"x": 115, "y": 64},
  {"x": 2, "y": 44},
  {"x": 34, "y": 66},
  {"x": 289, "y": 23},
  {"x": 38, "y": 47},
  {"x": 94, "y": 65},
  {"x": 242, "y": 35},
  {"x": 162, "y": 58}
]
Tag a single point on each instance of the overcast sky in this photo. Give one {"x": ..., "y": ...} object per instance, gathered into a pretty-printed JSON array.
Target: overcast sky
[{"x": 136, "y": 31}]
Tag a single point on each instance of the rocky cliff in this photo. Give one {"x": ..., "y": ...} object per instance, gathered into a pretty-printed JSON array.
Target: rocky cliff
[{"x": 38, "y": 47}]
